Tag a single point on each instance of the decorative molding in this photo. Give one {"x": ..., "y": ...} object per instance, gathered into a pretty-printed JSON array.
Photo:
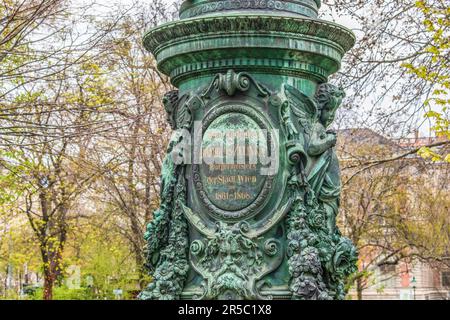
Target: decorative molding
[
  {"x": 197, "y": 222},
  {"x": 258, "y": 66},
  {"x": 231, "y": 82},
  {"x": 188, "y": 28},
  {"x": 255, "y": 233},
  {"x": 269, "y": 224},
  {"x": 308, "y": 8}
]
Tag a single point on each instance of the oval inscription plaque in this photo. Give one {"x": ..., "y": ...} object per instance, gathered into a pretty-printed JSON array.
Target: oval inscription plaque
[
  {"x": 229, "y": 180},
  {"x": 231, "y": 172}
]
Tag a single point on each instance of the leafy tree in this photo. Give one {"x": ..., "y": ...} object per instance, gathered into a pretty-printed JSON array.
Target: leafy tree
[
  {"x": 49, "y": 127},
  {"x": 394, "y": 211},
  {"x": 437, "y": 70},
  {"x": 398, "y": 70},
  {"x": 77, "y": 118},
  {"x": 130, "y": 185}
]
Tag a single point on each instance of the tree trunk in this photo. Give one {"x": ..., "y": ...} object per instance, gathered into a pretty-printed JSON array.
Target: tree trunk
[
  {"x": 141, "y": 270},
  {"x": 49, "y": 282},
  {"x": 359, "y": 288},
  {"x": 52, "y": 247},
  {"x": 49, "y": 276},
  {"x": 52, "y": 269},
  {"x": 138, "y": 247}
]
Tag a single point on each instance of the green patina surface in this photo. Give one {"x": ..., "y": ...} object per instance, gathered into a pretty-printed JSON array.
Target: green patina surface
[{"x": 227, "y": 231}]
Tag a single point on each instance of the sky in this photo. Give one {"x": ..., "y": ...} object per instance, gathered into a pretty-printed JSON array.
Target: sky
[{"x": 345, "y": 21}]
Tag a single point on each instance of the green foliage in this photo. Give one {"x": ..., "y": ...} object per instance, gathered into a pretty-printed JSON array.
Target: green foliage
[
  {"x": 64, "y": 293},
  {"x": 435, "y": 69}
]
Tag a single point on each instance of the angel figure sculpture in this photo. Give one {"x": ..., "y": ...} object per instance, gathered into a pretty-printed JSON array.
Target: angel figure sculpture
[{"x": 322, "y": 166}]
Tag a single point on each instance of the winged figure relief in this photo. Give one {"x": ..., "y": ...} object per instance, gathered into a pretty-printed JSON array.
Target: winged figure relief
[{"x": 313, "y": 116}]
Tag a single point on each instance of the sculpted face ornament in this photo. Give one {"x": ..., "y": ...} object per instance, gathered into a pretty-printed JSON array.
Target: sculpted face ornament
[
  {"x": 250, "y": 187},
  {"x": 329, "y": 99}
]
